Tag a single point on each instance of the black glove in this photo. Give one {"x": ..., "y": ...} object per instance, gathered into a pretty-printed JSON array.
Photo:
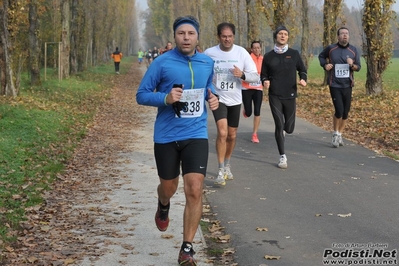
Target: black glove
[{"x": 180, "y": 106}]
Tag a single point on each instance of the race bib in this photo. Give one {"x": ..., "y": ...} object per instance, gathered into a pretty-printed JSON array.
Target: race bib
[
  {"x": 194, "y": 103},
  {"x": 342, "y": 70},
  {"x": 226, "y": 81},
  {"x": 255, "y": 84}
]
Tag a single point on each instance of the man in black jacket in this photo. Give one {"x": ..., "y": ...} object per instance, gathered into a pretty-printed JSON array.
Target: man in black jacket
[
  {"x": 340, "y": 60},
  {"x": 278, "y": 75}
]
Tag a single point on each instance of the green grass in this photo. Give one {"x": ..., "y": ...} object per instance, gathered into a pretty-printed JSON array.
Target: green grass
[
  {"x": 39, "y": 131},
  {"x": 315, "y": 73}
]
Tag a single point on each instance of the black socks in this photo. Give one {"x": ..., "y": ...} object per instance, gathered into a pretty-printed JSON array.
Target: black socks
[{"x": 187, "y": 247}]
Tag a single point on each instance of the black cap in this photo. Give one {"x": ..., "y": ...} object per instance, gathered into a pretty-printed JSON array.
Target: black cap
[{"x": 279, "y": 28}]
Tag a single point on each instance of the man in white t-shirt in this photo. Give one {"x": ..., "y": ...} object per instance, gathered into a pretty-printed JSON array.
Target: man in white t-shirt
[{"x": 233, "y": 64}]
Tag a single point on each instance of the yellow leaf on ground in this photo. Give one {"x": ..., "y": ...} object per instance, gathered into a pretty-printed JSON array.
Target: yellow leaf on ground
[{"x": 269, "y": 257}]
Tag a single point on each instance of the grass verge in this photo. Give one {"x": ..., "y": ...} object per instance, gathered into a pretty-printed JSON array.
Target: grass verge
[{"x": 39, "y": 130}]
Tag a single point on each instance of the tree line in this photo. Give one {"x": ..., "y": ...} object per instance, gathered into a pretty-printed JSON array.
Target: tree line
[
  {"x": 313, "y": 25},
  {"x": 87, "y": 31},
  {"x": 79, "y": 33}
]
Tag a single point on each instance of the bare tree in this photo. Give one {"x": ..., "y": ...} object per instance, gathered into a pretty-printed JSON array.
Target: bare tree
[
  {"x": 331, "y": 11},
  {"x": 65, "y": 38},
  {"x": 252, "y": 22},
  {"x": 279, "y": 12},
  {"x": 7, "y": 85},
  {"x": 305, "y": 34},
  {"x": 378, "y": 43},
  {"x": 34, "y": 48},
  {"x": 73, "y": 59}
]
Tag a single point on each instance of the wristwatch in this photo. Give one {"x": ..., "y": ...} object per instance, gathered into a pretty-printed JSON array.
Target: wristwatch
[{"x": 243, "y": 76}]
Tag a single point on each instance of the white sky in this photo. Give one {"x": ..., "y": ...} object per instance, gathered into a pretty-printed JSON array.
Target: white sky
[
  {"x": 359, "y": 4},
  {"x": 350, "y": 3}
]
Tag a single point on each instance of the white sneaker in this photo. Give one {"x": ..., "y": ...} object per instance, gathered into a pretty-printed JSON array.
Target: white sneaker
[
  {"x": 334, "y": 140},
  {"x": 227, "y": 173},
  {"x": 220, "y": 178},
  {"x": 283, "y": 163},
  {"x": 340, "y": 141}
]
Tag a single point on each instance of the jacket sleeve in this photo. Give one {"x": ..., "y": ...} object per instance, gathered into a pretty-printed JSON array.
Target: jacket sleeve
[
  {"x": 264, "y": 74},
  {"x": 250, "y": 70},
  {"x": 357, "y": 61},
  {"x": 210, "y": 85},
  {"x": 301, "y": 68},
  {"x": 323, "y": 56},
  {"x": 147, "y": 93}
]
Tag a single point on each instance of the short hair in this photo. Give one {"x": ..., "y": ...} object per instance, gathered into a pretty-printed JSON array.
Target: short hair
[
  {"x": 253, "y": 42},
  {"x": 342, "y": 28},
  {"x": 224, "y": 25}
]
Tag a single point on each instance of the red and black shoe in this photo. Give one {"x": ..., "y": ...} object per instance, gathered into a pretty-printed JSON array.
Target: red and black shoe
[
  {"x": 186, "y": 256},
  {"x": 162, "y": 217}
]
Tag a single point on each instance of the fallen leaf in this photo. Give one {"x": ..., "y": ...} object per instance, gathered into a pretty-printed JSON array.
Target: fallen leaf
[
  {"x": 261, "y": 229},
  {"x": 344, "y": 215},
  {"x": 269, "y": 257},
  {"x": 32, "y": 259},
  {"x": 224, "y": 239},
  {"x": 69, "y": 261}
]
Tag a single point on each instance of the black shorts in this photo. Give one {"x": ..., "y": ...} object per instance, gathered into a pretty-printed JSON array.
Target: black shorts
[
  {"x": 232, "y": 113},
  {"x": 191, "y": 154}
]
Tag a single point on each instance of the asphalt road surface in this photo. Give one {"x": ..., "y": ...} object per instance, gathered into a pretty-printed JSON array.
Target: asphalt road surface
[{"x": 341, "y": 202}]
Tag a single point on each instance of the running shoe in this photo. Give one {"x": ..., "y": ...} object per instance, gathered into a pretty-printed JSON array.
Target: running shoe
[
  {"x": 227, "y": 173},
  {"x": 255, "y": 138},
  {"x": 186, "y": 257},
  {"x": 162, "y": 217},
  {"x": 220, "y": 178},
  {"x": 334, "y": 140},
  {"x": 340, "y": 140},
  {"x": 283, "y": 163}
]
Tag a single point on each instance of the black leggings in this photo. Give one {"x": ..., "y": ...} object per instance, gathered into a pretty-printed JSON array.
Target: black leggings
[
  {"x": 283, "y": 112},
  {"x": 117, "y": 66},
  {"x": 342, "y": 98},
  {"x": 252, "y": 95}
]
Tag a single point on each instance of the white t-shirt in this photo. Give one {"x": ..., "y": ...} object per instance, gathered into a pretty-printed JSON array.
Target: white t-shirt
[{"x": 227, "y": 86}]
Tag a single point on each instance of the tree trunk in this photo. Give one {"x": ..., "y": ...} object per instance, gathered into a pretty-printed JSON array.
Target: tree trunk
[
  {"x": 331, "y": 10},
  {"x": 8, "y": 88},
  {"x": 74, "y": 37},
  {"x": 34, "y": 48},
  {"x": 305, "y": 33},
  {"x": 378, "y": 43},
  {"x": 252, "y": 22},
  {"x": 279, "y": 13},
  {"x": 65, "y": 38},
  {"x": 374, "y": 79}
]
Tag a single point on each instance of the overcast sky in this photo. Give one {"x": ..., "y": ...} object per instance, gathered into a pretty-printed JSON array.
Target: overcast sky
[
  {"x": 350, "y": 3},
  {"x": 359, "y": 4}
]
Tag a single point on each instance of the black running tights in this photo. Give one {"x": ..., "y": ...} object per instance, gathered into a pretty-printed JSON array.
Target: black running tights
[{"x": 283, "y": 112}]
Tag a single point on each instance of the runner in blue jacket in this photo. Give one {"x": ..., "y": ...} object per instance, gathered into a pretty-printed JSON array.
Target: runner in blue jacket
[{"x": 178, "y": 83}]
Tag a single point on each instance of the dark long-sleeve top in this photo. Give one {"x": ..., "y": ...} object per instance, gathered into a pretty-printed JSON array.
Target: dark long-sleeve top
[
  {"x": 338, "y": 54},
  {"x": 281, "y": 70}
]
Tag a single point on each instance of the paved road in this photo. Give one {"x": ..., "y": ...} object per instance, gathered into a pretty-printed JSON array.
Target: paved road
[{"x": 302, "y": 206}]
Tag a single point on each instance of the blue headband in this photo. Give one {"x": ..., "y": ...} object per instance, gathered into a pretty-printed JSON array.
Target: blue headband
[{"x": 186, "y": 20}]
